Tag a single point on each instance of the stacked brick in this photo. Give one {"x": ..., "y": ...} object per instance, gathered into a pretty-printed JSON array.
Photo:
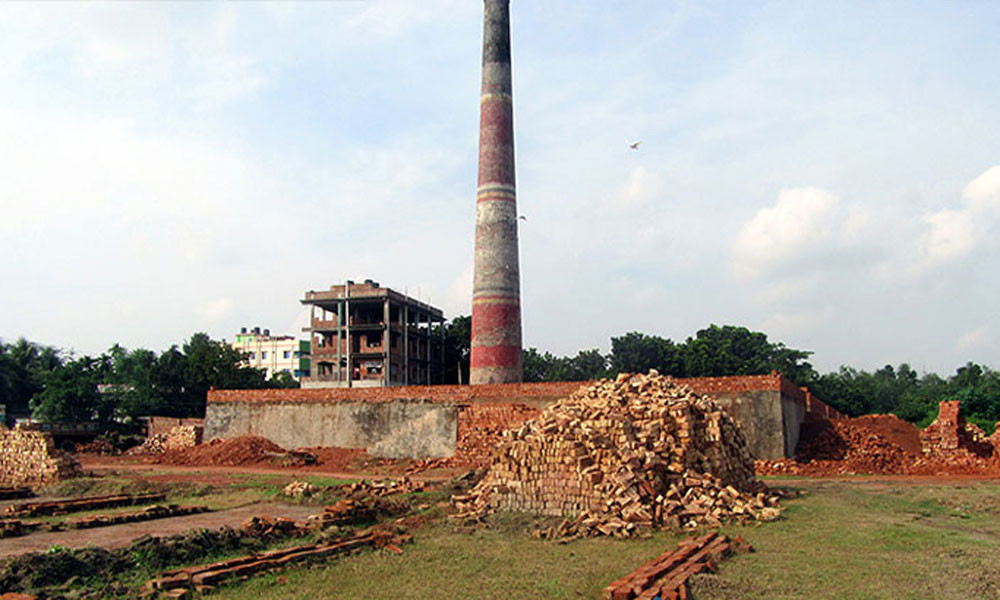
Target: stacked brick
[
  {"x": 177, "y": 438},
  {"x": 480, "y": 428},
  {"x": 641, "y": 450},
  {"x": 30, "y": 458}
]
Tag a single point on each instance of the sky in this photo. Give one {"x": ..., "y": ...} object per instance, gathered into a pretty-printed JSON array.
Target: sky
[{"x": 827, "y": 173}]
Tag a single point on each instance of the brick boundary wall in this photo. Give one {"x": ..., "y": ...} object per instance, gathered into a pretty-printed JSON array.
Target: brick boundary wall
[
  {"x": 482, "y": 411},
  {"x": 543, "y": 392},
  {"x": 450, "y": 394}
]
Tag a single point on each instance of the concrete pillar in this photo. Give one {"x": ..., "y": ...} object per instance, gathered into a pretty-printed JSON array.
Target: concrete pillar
[
  {"x": 386, "y": 338},
  {"x": 496, "y": 291},
  {"x": 406, "y": 343}
]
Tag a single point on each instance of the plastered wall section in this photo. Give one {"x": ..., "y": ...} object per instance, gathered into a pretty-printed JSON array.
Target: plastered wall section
[
  {"x": 393, "y": 429},
  {"x": 770, "y": 423}
]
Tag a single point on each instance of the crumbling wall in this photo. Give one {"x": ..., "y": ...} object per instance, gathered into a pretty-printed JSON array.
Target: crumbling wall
[
  {"x": 30, "y": 458},
  {"x": 950, "y": 434}
]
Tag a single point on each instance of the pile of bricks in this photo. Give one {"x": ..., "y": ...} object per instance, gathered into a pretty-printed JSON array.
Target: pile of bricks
[
  {"x": 300, "y": 489},
  {"x": 178, "y": 438},
  {"x": 841, "y": 447},
  {"x": 98, "y": 446},
  {"x": 30, "y": 458},
  {"x": 355, "y": 510},
  {"x": 60, "y": 507},
  {"x": 665, "y": 577},
  {"x": 641, "y": 450},
  {"x": 265, "y": 527},
  {"x": 386, "y": 487}
]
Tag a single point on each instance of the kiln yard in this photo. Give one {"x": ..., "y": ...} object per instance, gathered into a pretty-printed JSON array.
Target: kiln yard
[{"x": 637, "y": 487}]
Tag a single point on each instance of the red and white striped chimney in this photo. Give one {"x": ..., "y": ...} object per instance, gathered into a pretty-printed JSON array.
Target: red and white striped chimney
[{"x": 496, "y": 290}]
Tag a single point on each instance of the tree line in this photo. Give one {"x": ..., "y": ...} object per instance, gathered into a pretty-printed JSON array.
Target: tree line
[
  {"x": 731, "y": 350},
  {"x": 120, "y": 384}
]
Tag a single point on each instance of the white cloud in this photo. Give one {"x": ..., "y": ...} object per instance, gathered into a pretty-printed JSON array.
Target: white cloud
[
  {"x": 641, "y": 188},
  {"x": 391, "y": 18},
  {"x": 218, "y": 309},
  {"x": 100, "y": 173},
  {"x": 983, "y": 192},
  {"x": 977, "y": 339},
  {"x": 951, "y": 236},
  {"x": 804, "y": 221},
  {"x": 954, "y": 235}
]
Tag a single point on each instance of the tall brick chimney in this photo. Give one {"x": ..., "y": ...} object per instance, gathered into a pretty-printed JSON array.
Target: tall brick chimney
[{"x": 496, "y": 288}]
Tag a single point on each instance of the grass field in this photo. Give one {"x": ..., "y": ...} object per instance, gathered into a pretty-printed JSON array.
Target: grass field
[{"x": 842, "y": 539}]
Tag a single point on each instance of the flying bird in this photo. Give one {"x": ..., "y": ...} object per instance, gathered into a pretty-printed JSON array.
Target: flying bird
[
  {"x": 523, "y": 218},
  {"x": 634, "y": 145}
]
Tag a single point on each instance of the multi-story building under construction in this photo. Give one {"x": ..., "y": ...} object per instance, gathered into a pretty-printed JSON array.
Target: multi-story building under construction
[{"x": 366, "y": 335}]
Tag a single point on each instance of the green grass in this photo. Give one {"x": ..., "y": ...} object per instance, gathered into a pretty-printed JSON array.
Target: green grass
[{"x": 853, "y": 540}]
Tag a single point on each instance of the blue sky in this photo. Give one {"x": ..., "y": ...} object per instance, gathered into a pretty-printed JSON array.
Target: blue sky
[{"x": 828, "y": 173}]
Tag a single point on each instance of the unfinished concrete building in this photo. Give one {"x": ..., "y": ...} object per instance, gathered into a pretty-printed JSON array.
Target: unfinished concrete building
[{"x": 366, "y": 335}]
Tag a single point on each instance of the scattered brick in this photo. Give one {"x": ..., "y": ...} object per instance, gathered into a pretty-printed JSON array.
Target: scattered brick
[{"x": 885, "y": 444}]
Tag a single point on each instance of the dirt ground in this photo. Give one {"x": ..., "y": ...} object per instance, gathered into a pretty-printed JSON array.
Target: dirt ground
[{"x": 116, "y": 536}]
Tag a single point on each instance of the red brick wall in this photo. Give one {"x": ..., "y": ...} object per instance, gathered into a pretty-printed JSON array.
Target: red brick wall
[
  {"x": 534, "y": 393},
  {"x": 480, "y": 426},
  {"x": 738, "y": 383},
  {"x": 458, "y": 394}
]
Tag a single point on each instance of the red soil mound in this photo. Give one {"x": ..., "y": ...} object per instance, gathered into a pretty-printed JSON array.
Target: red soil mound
[
  {"x": 247, "y": 450},
  {"x": 903, "y": 434}
]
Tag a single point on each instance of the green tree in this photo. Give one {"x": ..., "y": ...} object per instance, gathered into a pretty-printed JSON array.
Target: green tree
[
  {"x": 730, "y": 350},
  {"x": 209, "y": 363},
  {"x": 71, "y": 393},
  {"x": 637, "y": 352},
  {"x": 535, "y": 365},
  {"x": 457, "y": 340},
  {"x": 24, "y": 366}
]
